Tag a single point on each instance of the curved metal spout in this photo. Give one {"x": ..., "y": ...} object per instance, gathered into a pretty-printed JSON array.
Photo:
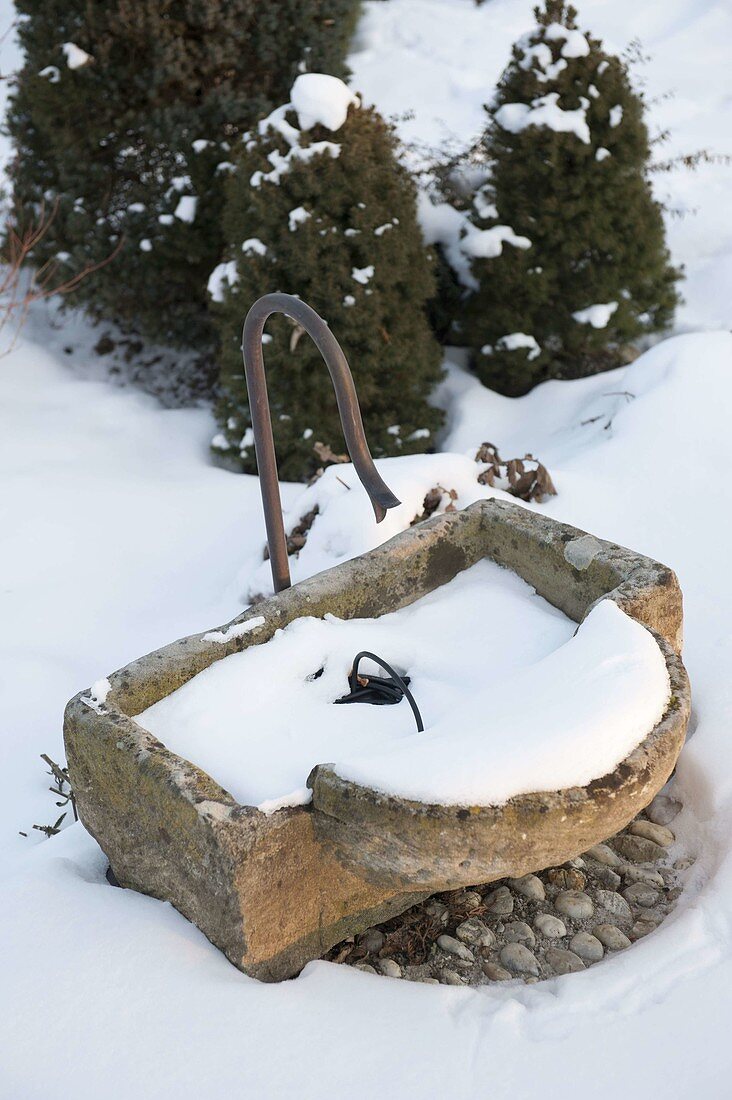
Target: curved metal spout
[{"x": 348, "y": 408}]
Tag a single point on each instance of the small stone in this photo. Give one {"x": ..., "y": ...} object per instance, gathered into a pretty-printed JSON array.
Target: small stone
[
  {"x": 517, "y": 931},
  {"x": 574, "y": 904},
  {"x": 663, "y": 810},
  {"x": 496, "y": 973},
  {"x": 659, "y": 834},
  {"x": 638, "y": 849},
  {"x": 530, "y": 886},
  {"x": 603, "y": 854},
  {"x": 471, "y": 899},
  {"x": 567, "y": 878},
  {"x": 390, "y": 968},
  {"x": 611, "y": 937},
  {"x": 674, "y": 894},
  {"x": 587, "y": 946},
  {"x": 607, "y": 877},
  {"x": 643, "y": 926},
  {"x": 643, "y": 874},
  {"x": 428, "y": 981},
  {"x": 551, "y": 927},
  {"x": 372, "y": 941},
  {"x": 614, "y": 905},
  {"x": 640, "y": 893},
  {"x": 454, "y": 947},
  {"x": 518, "y": 959},
  {"x": 473, "y": 931},
  {"x": 450, "y": 977},
  {"x": 499, "y": 902},
  {"x": 365, "y": 968},
  {"x": 564, "y": 962}
]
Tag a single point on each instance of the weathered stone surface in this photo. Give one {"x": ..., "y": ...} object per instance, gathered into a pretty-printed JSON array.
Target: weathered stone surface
[
  {"x": 354, "y": 858},
  {"x": 499, "y": 902},
  {"x": 397, "y": 841}
]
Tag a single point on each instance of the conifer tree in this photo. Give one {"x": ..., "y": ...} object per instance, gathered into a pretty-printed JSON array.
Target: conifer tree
[
  {"x": 320, "y": 207},
  {"x": 568, "y": 151},
  {"x": 122, "y": 120}
]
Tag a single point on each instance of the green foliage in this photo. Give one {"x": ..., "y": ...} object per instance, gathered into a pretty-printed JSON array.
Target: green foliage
[
  {"x": 112, "y": 146},
  {"x": 583, "y": 199},
  {"x": 337, "y": 226}
]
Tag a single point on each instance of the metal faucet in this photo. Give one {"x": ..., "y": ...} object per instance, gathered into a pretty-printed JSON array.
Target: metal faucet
[{"x": 380, "y": 494}]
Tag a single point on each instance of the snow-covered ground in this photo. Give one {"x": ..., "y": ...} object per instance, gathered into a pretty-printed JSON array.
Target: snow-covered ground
[{"x": 116, "y": 536}]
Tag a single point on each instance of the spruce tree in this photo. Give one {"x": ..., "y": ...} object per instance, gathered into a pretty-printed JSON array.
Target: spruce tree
[
  {"x": 568, "y": 152},
  {"x": 122, "y": 120},
  {"x": 320, "y": 207}
]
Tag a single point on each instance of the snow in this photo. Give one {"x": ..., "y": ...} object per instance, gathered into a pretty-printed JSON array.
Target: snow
[
  {"x": 602, "y": 153},
  {"x": 252, "y": 246},
  {"x": 597, "y": 315},
  {"x": 574, "y": 43},
  {"x": 297, "y": 216},
  {"x": 462, "y": 241},
  {"x": 185, "y": 211},
  {"x": 117, "y": 537},
  {"x": 238, "y": 630},
  {"x": 516, "y": 341},
  {"x": 173, "y": 549},
  {"x": 321, "y": 100},
  {"x": 258, "y": 722},
  {"x": 223, "y": 275},
  {"x": 591, "y": 702},
  {"x": 616, "y": 115},
  {"x": 363, "y": 275},
  {"x": 52, "y": 73},
  {"x": 76, "y": 58},
  {"x": 543, "y": 111}
]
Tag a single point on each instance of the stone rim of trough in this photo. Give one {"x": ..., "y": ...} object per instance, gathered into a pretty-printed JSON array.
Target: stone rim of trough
[{"x": 171, "y": 831}]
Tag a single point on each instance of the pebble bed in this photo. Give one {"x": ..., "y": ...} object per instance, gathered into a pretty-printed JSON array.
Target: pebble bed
[{"x": 555, "y": 922}]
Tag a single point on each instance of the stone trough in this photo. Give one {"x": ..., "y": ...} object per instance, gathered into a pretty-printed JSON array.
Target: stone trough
[{"x": 273, "y": 892}]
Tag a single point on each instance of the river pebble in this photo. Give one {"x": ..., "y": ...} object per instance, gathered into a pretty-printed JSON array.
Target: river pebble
[
  {"x": 499, "y": 902},
  {"x": 518, "y": 959},
  {"x": 564, "y": 962},
  {"x": 659, "y": 834},
  {"x": 530, "y": 886},
  {"x": 551, "y": 927},
  {"x": 640, "y": 893},
  {"x": 574, "y": 904},
  {"x": 455, "y": 947},
  {"x": 663, "y": 810},
  {"x": 611, "y": 937},
  {"x": 587, "y": 946},
  {"x": 517, "y": 931}
]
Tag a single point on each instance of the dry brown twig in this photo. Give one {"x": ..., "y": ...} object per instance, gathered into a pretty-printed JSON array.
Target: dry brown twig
[{"x": 20, "y": 285}]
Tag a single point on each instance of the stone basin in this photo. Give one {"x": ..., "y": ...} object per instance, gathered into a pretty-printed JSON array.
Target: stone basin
[{"x": 275, "y": 891}]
